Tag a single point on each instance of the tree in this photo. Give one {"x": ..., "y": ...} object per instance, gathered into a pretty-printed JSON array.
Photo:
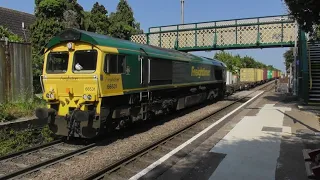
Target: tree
[
  {"x": 52, "y": 16},
  {"x": 6, "y": 33},
  {"x": 228, "y": 59},
  {"x": 235, "y": 63},
  {"x": 123, "y": 24},
  {"x": 50, "y": 8},
  {"x": 86, "y": 21},
  {"x": 288, "y": 57},
  {"x": 99, "y": 19},
  {"x": 248, "y": 62},
  {"x": 307, "y": 14}
]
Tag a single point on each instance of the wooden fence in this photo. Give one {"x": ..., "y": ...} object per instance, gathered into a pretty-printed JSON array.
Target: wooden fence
[{"x": 16, "y": 79}]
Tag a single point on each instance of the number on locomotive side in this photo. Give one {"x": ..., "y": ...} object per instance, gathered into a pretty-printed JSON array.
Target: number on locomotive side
[
  {"x": 112, "y": 86},
  {"x": 90, "y": 88}
]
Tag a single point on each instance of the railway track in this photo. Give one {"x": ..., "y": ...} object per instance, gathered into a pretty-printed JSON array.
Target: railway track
[
  {"x": 23, "y": 163},
  {"x": 37, "y": 158},
  {"x": 134, "y": 163}
]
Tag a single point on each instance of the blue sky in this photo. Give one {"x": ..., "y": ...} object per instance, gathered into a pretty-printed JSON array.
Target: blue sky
[{"x": 165, "y": 12}]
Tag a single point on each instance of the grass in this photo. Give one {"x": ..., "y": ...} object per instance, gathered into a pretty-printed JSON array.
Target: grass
[
  {"x": 14, "y": 141},
  {"x": 20, "y": 108}
]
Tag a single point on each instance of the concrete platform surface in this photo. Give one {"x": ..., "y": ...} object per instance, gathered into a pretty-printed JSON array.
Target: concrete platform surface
[{"x": 263, "y": 141}]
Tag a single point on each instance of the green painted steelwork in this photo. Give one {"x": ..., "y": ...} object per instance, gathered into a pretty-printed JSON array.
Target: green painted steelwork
[
  {"x": 302, "y": 68},
  {"x": 260, "y": 32}
]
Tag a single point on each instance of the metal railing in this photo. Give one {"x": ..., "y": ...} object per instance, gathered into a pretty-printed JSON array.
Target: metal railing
[{"x": 310, "y": 75}]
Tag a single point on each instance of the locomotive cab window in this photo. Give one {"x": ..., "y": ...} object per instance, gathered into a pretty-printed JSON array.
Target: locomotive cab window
[
  {"x": 57, "y": 62},
  {"x": 115, "y": 64},
  {"x": 85, "y": 61}
]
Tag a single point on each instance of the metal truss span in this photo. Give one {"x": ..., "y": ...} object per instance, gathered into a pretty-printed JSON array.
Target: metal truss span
[{"x": 259, "y": 32}]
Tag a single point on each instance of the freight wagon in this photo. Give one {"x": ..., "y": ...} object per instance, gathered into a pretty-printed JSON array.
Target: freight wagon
[
  {"x": 248, "y": 76},
  {"x": 265, "y": 75}
]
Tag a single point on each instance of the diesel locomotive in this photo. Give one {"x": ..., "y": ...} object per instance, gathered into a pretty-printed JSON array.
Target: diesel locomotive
[{"x": 93, "y": 83}]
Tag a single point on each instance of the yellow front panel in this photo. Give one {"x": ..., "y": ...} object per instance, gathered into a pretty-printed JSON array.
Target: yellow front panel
[
  {"x": 68, "y": 88},
  {"x": 112, "y": 85}
]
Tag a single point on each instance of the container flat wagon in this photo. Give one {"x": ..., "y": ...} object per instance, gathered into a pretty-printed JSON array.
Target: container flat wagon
[{"x": 249, "y": 77}]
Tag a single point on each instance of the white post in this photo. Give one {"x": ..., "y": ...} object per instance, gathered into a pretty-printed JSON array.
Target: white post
[{"x": 182, "y": 11}]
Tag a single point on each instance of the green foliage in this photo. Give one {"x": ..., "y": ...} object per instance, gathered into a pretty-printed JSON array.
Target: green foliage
[
  {"x": 288, "y": 57},
  {"x": 123, "y": 24},
  {"x": 235, "y": 63},
  {"x": 21, "y": 108},
  {"x": 47, "y": 134},
  {"x": 86, "y": 21},
  {"x": 14, "y": 141},
  {"x": 6, "y": 33},
  {"x": 99, "y": 19},
  {"x": 51, "y": 8},
  {"x": 232, "y": 62},
  {"x": 53, "y": 16},
  {"x": 306, "y": 12}
]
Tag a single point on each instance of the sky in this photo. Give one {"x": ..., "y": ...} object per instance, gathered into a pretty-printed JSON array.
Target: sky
[{"x": 167, "y": 12}]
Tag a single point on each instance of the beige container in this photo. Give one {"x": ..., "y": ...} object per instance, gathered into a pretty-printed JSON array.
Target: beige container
[
  {"x": 248, "y": 75},
  {"x": 259, "y": 75}
]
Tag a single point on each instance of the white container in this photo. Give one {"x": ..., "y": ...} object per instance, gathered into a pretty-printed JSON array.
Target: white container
[
  {"x": 234, "y": 79},
  {"x": 229, "y": 78}
]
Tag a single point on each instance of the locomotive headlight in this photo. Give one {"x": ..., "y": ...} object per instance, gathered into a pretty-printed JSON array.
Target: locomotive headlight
[
  {"x": 70, "y": 45},
  {"x": 51, "y": 96},
  {"x": 85, "y": 97},
  {"x": 89, "y": 97}
]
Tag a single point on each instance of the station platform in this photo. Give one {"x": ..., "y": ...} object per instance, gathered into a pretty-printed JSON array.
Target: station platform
[{"x": 264, "y": 140}]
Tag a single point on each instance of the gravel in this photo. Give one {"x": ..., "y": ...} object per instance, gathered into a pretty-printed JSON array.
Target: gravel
[{"x": 96, "y": 159}]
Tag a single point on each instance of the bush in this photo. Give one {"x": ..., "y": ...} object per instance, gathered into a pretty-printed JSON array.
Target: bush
[
  {"x": 20, "y": 108},
  {"x": 14, "y": 141}
]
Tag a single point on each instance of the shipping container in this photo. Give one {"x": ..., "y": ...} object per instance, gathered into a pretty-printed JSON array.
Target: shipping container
[
  {"x": 269, "y": 74},
  {"x": 229, "y": 78},
  {"x": 235, "y": 79},
  {"x": 259, "y": 75},
  {"x": 273, "y": 74},
  {"x": 248, "y": 75},
  {"x": 265, "y": 74}
]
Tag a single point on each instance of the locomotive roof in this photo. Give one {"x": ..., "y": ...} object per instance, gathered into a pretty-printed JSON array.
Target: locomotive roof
[{"x": 127, "y": 47}]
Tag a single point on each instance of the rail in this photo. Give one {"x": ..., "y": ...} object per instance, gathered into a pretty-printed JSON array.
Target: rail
[
  {"x": 100, "y": 174},
  {"x": 310, "y": 75},
  {"x": 33, "y": 167}
]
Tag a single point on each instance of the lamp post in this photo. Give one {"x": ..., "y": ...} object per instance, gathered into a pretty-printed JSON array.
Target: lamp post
[{"x": 182, "y": 11}]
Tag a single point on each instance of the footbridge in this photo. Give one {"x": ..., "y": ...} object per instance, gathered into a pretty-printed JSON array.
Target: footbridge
[{"x": 259, "y": 32}]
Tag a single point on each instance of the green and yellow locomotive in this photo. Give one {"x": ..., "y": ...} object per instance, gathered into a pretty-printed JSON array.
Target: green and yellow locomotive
[{"x": 93, "y": 82}]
